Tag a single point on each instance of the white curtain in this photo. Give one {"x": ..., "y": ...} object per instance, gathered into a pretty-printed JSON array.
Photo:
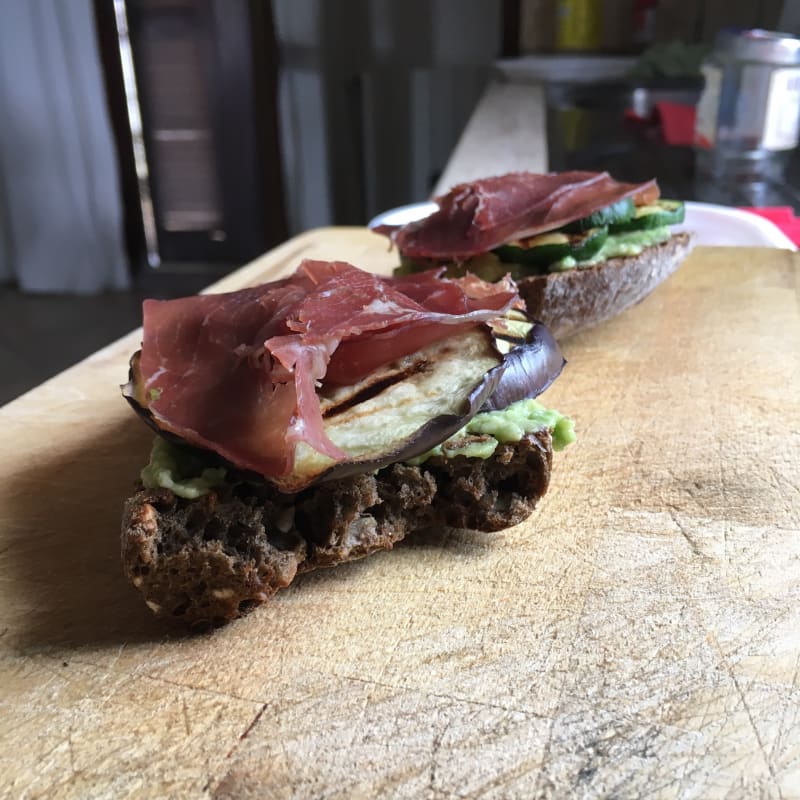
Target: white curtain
[{"x": 61, "y": 226}]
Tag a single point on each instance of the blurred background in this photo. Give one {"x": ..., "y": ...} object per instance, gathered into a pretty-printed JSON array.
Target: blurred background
[{"x": 148, "y": 147}]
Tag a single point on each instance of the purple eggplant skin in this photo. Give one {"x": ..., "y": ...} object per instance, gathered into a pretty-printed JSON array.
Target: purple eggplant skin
[{"x": 528, "y": 369}]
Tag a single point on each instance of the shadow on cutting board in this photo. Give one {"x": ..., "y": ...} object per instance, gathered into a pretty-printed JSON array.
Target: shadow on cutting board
[{"x": 62, "y": 562}]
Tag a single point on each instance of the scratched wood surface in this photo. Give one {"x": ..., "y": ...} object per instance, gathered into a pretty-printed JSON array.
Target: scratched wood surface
[
  {"x": 637, "y": 637},
  {"x": 506, "y": 132}
]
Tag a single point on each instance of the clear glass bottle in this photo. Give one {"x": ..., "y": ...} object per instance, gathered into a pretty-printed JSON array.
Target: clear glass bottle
[{"x": 748, "y": 116}]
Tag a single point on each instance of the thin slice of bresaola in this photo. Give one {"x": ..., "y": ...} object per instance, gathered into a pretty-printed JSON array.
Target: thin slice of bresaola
[
  {"x": 476, "y": 217},
  {"x": 238, "y": 373}
]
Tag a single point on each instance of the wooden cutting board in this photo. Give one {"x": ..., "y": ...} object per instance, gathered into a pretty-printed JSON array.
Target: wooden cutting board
[{"x": 638, "y": 636}]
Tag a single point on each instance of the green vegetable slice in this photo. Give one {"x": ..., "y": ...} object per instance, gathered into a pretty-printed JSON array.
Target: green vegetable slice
[
  {"x": 486, "y": 266},
  {"x": 660, "y": 213},
  {"x": 548, "y": 248},
  {"x": 618, "y": 212}
]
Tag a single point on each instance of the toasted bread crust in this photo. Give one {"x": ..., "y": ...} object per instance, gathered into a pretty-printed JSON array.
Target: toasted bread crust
[
  {"x": 207, "y": 561},
  {"x": 570, "y": 301}
]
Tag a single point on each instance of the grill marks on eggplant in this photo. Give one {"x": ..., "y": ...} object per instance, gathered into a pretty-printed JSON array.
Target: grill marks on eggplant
[
  {"x": 445, "y": 384},
  {"x": 372, "y": 388}
]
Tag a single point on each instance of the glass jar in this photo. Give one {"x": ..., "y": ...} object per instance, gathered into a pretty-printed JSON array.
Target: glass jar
[{"x": 748, "y": 117}]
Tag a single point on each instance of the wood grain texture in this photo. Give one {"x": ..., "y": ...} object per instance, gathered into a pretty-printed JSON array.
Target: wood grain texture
[
  {"x": 637, "y": 637},
  {"x": 511, "y": 115}
]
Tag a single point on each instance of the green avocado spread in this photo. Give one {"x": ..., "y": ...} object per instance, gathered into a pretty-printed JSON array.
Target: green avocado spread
[
  {"x": 481, "y": 435},
  {"x": 188, "y": 475},
  {"x": 489, "y": 266},
  {"x": 618, "y": 244},
  {"x": 181, "y": 470}
]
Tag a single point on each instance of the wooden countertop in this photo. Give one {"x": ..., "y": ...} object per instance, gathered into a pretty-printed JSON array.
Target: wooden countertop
[
  {"x": 638, "y": 636},
  {"x": 506, "y": 132}
]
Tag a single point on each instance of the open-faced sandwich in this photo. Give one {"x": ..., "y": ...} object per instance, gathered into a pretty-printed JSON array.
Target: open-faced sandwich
[
  {"x": 582, "y": 246},
  {"x": 319, "y": 418}
]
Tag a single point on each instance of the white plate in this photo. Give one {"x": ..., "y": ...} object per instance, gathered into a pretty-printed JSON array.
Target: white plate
[
  {"x": 732, "y": 227},
  {"x": 565, "y": 68},
  {"x": 402, "y": 215},
  {"x": 711, "y": 224}
]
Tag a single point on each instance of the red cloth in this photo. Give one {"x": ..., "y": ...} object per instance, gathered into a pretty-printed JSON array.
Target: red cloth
[
  {"x": 782, "y": 217},
  {"x": 677, "y": 123},
  {"x": 672, "y": 123}
]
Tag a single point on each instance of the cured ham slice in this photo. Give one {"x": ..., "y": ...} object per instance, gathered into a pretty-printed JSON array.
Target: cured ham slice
[
  {"x": 476, "y": 217},
  {"x": 239, "y": 373}
]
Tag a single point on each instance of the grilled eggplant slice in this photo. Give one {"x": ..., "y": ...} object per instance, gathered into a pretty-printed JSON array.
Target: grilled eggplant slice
[{"x": 412, "y": 404}]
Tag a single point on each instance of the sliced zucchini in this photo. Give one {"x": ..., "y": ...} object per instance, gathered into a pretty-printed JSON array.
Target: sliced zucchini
[
  {"x": 618, "y": 212},
  {"x": 660, "y": 213},
  {"x": 486, "y": 266},
  {"x": 548, "y": 248},
  {"x": 409, "y": 266}
]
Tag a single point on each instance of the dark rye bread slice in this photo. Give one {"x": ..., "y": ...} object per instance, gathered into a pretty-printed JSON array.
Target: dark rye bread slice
[
  {"x": 580, "y": 298},
  {"x": 206, "y": 561}
]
